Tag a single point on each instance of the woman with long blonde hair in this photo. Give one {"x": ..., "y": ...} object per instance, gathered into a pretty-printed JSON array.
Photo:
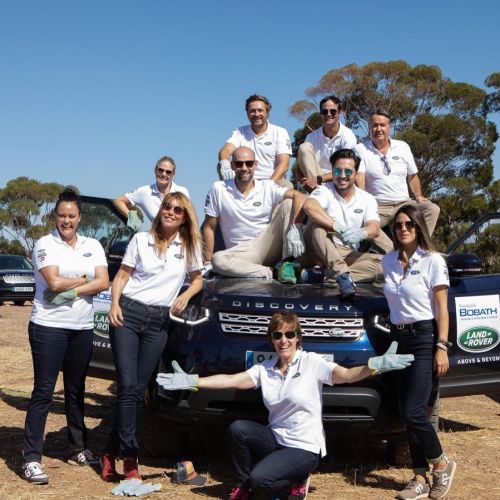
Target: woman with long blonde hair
[{"x": 144, "y": 290}]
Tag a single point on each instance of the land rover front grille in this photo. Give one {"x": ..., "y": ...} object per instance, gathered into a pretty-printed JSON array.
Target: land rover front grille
[
  {"x": 18, "y": 278},
  {"x": 317, "y": 327}
]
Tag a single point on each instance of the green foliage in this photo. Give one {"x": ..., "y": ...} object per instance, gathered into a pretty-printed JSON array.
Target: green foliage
[
  {"x": 445, "y": 123},
  {"x": 13, "y": 247},
  {"x": 25, "y": 210}
]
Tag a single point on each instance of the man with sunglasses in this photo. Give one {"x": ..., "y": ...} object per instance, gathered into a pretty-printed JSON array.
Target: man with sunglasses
[
  {"x": 257, "y": 221},
  {"x": 387, "y": 169},
  {"x": 270, "y": 143},
  {"x": 313, "y": 158},
  {"x": 340, "y": 217},
  {"x": 148, "y": 198}
]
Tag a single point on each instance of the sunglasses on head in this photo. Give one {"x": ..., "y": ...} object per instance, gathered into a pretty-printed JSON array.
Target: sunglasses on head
[
  {"x": 326, "y": 112},
  {"x": 347, "y": 172},
  {"x": 387, "y": 167},
  {"x": 247, "y": 163},
  {"x": 164, "y": 171},
  {"x": 176, "y": 208},
  {"x": 408, "y": 224},
  {"x": 277, "y": 335}
]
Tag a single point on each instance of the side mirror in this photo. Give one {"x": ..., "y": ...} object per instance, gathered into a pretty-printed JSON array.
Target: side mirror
[{"x": 463, "y": 264}]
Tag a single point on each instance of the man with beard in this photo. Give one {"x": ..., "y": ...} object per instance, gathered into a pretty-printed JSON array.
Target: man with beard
[
  {"x": 257, "y": 220},
  {"x": 341, "y": 216},
  {"x": 270, "y": 143}
]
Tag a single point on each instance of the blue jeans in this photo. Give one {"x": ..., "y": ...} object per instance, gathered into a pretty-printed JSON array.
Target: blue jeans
[
  {"x": 277, "y": 467},
  {"x": 137, "y": 347},
  {"x": 53, "y": 349},
  {"x": 415, "y": 384}
]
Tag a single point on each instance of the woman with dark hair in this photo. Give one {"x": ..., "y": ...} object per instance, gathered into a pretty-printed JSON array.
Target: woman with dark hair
[
  {"x": 280, "y": 456},
  {"x": 416, "y": 288},
  {"x": 144, "y": 290},
  {"x": 69, "y": 270}
]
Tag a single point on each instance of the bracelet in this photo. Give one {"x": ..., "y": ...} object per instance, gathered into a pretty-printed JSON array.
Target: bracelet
[
  {"x": 319, "y": 179},
  {"x": 443, "y": 347},
  {"x": 444, "y": 342}
]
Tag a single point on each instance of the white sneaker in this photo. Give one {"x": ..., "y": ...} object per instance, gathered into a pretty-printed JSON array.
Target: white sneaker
[
  {"x": 33, "y": 472},
  {"x": 84, "y": 457}
]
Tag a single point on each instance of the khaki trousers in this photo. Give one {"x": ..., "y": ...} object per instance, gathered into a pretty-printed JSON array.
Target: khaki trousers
[
  {"x": 341, "y": 259},
  {"x": 386, "y": 211},
  {"x": 256, "y": 257},
  {"x": 307, "y": 165}
]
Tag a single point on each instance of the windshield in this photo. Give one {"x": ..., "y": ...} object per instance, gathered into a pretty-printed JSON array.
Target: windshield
[{"x": 15, "y": 262}]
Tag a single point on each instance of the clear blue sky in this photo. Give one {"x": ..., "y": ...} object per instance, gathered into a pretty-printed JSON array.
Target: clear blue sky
[{"x": 93, "y": 92}]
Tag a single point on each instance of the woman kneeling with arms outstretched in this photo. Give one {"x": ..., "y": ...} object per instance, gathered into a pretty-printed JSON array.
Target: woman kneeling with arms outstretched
[{"x": 289, "y": 448}]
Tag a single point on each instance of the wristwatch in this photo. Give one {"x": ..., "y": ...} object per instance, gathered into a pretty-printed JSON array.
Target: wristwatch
[
  {"x": 444, "y": 342},
  {"x": 319, "y": 179}
]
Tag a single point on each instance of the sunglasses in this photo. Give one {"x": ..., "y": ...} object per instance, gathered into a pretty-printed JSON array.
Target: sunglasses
[
  {"x": 408, "y": 224},
  {"x": 277, "y": 335},
  {"x": 164, "y": 171},
  {"x": 176, "y": 208},
  {"x": 248, "y": 163},
  {"x": 326, "y": 112},
  {"x": 387, "y": 167},
  {"x": 347, "y": 172}
]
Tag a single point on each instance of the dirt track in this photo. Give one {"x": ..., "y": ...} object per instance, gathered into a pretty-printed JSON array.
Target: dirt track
[{"x": 355, "y": 470}]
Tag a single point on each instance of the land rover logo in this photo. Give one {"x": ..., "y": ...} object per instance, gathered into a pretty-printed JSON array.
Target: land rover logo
[
  {"x": 479, "y": 339},
  {"x": 336, "y": 332},
  {"x": 101, "y": 324}
]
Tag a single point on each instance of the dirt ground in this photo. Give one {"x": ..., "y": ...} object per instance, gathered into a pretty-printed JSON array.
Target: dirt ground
[{"x": 356, "y": 467}]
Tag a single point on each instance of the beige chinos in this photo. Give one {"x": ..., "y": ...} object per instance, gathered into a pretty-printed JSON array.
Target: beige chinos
[{"x": 254, "y": 258}]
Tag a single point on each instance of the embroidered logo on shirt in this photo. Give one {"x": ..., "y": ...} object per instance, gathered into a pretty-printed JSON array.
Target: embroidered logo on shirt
[
  {"x": 41, "y": 254},
  {"x": 179, "y": 256},
  {"x": 88, "y": 254},
  {"x": 257, "y": 204},
  {"x": 358, "y": 211},
  {"x": 415, "y": 272},
  {"x": 395, "y": 157},
  {"x": 268, "y": 143}
]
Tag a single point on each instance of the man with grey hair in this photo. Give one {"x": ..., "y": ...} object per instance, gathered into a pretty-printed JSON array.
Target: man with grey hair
[{"x": 387, "y": 169}]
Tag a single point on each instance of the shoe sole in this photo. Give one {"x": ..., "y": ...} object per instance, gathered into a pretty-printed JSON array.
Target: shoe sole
[
  {"x": 450, "y": 481},
  {"x": 34, "y": 481},
  {"x": 423, "y": 495}
]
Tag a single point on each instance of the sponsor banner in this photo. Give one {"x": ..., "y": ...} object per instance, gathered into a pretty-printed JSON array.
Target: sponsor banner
[
  {"x": 101, "y": 305},
  {"x": 478, "y": 323}
]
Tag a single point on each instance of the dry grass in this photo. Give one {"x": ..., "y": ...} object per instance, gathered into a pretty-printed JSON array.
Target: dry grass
[{"x": 355, "y": 469}]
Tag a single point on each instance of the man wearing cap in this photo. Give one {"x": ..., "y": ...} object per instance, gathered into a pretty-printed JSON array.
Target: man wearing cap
[
  {"x": 387, "y": 169},
  {"x": 313, "y": 158},
  {"x": 148, "y": 198},
  {"x": 340, "y": 217},
  {"x": 257, "y": 221},
  {"x": 270, "y": 143}
]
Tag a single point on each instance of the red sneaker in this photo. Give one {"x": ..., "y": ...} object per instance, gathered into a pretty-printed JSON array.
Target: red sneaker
[
  {"x": 130, "y": 467},
  {"x": 299, "y": 491},
  {"x": 239, "y": 493},
  {"x": 108, "y": 468}
]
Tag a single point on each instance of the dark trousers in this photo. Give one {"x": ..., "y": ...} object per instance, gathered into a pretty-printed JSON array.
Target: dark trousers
[
  {"x": 415, "y": 384},
  {"x": 51, "y": 350},
  {"x": 137, "y": 347},
  {"x": 277, "y": 468}
]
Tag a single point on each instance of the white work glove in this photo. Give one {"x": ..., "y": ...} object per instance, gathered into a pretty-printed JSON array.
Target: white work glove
[
  {"x": 207, "y": 268},
  {"x": 353, "y": 236},
  {"x": 390, "y": 360},
  {"x": 295, "y": 244},
  {"x": 177, "y": 381},
  {"x": 226, "y": 171},
  {"x": 133, "y": 221},
  {"x": 134, "y": 488}
]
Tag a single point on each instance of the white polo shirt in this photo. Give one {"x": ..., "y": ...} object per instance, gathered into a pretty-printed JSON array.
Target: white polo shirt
[
  {"x": 355, "y": 213},
  {"x": 51, "y": 250},
  {"x": 325, "y": 147},
  {"x": 149, "y": 199},
  {"x": 410, "y": 295},
  {"x": 392, "y": 187},
  {"x": 156, "y": 280},
  {"x": 295, "y": 401},
  {"x": 242, "y": 218},
  {"x": 273, "y": 142}
]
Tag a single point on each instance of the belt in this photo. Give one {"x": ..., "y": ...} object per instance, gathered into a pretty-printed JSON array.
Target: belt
[
  {"x": 412, "y": 326},
  {"x": 148, "y": 308}
]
